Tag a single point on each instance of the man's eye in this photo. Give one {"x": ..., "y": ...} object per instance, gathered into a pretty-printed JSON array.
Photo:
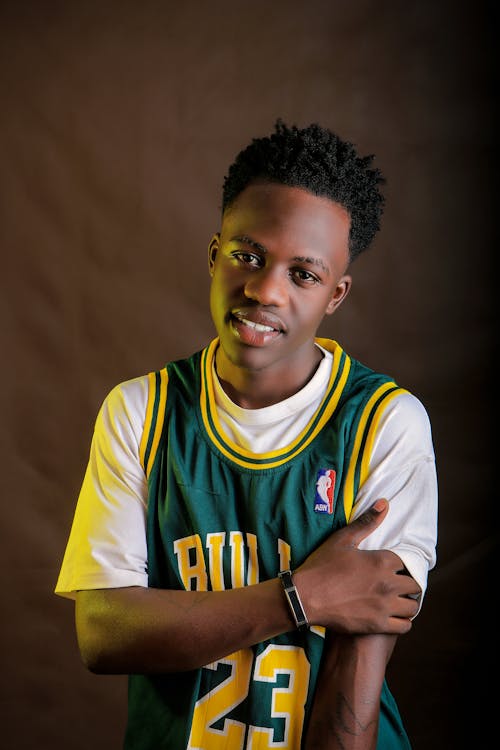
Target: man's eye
[
  {"x": 304, "y": 277},
  {"x": 250, "y": 259}
]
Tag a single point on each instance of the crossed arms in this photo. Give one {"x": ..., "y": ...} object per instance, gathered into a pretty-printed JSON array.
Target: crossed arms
[
  {"x": 358, "y": 595},
  {"x": 351, "y": 592}
]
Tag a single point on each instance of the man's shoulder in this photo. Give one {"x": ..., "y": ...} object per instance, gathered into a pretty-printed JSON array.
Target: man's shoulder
[
  {"x": 125, "y": 402},
  {"x": 132, "y": 389},
  {"x": 364, "y": 384},
  {"x": 340, "y": 353}
]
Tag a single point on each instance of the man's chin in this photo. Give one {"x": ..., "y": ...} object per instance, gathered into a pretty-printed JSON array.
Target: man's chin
[{"x": 249, "y": 358}]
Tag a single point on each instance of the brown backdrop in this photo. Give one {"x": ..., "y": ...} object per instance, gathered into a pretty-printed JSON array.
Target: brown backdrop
[{"x": 118, "y": 121}]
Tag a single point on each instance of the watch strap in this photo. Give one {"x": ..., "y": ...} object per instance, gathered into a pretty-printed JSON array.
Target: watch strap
[{"x": 293, "y": 599}]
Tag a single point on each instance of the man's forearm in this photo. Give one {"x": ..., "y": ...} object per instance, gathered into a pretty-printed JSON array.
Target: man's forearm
[
  {"x": 127, "y": 630},
  {"x": 345, "y": 712},
  {"x": 146, "y": 630}
]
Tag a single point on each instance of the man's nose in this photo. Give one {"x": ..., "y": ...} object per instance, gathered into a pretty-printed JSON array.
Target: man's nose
[{"x": 267, "y": 287}]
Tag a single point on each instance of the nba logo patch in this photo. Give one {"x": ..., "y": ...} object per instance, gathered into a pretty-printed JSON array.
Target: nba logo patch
[{"x": 325, "y": 486}]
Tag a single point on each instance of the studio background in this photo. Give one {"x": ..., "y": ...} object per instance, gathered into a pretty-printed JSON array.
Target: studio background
[{"x": 118, "y": 121}]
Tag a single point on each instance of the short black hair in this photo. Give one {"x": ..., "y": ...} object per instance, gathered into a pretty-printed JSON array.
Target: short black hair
[{"x": 316, "y": 159}]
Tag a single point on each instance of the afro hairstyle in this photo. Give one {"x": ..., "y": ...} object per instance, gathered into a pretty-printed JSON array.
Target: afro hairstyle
[{"x": 317, "y": 160}]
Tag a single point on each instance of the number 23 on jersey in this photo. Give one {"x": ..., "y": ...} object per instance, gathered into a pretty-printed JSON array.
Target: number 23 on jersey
[{"x": 287, "y": 701}]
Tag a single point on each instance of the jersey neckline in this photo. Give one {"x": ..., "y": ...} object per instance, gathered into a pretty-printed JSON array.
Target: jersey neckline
[{"x": 245, "y": 458}]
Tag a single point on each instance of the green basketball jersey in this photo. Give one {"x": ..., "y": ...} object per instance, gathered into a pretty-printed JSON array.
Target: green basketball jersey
[{"x": 221, "y": 517}]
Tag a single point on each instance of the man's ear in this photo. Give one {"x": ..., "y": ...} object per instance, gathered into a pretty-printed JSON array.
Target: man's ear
[
  {"x": 341, "y": 292},
  {"x": 212, "y": 252}
]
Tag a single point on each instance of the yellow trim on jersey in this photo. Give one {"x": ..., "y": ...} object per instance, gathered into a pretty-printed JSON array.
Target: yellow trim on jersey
[
  {"x": 358, "y": 440},
  {"x": 148, "y": 418},
  {"x": 367, "y": 452},
  {"x": 154, "y": 419},
  {"x": 160, "y": 418},
  {"x": 281, "y": 456}
]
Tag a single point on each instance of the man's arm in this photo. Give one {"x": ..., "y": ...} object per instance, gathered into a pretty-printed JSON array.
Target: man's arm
[
  {"x": 346, "y": 709},
  {"x": 145, "y": 630}
]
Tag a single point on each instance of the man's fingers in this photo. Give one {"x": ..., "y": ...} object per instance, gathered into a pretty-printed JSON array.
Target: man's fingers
[
  {"x": 406, "y": 608},
  {"x": 399, "y": 625},
  {"x": 357, "y": 530}
]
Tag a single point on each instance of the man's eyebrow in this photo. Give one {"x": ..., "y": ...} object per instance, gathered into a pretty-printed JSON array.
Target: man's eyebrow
[
  {"x": 248, "y": 241},
  {"x": 297, "y": 259},
  {"x": 312, "y": 262}
]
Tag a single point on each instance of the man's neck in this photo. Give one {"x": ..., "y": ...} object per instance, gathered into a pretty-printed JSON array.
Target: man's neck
[{"x": 256, "y": 389}]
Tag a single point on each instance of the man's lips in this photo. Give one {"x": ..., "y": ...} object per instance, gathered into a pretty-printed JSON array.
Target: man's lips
[
  {"x": 256, "y": 328},
  {"x": 259, "y": 321}
]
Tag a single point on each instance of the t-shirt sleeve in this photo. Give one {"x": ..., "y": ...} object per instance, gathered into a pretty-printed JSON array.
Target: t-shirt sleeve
[
  {"x": 107, "y": 543},
  {"x": 402, "y": 470}
]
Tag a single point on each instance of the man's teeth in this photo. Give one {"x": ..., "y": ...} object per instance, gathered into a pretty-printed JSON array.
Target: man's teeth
[{"x": 255, "y": 326}]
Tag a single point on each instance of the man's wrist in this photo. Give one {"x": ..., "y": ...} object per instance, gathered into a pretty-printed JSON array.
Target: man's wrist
[{"x": 293, "y": 599}]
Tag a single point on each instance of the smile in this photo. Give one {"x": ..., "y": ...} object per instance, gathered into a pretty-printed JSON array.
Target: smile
[
  {"x": 258, "y": 320},
  {"x": 261, "y": 330},
  {"x": 256, "y": 326}
]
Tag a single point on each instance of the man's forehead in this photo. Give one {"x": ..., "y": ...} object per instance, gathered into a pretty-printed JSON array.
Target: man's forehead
[{"x": 276, "y": 199}]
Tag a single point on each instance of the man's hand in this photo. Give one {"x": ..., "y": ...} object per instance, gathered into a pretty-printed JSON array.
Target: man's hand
[
  {"x": 357, "y": 591},
  {"x": 154, "y": 630}
]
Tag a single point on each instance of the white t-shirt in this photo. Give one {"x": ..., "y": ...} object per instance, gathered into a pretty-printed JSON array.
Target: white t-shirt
[{"x": 107, "y": 543}]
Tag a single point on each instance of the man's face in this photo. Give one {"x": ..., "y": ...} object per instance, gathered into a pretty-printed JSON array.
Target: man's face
[{"x": 278, "y": 266}]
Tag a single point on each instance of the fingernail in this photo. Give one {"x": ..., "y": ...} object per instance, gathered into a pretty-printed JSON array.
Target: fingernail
[{"x": 379, "y": 506}]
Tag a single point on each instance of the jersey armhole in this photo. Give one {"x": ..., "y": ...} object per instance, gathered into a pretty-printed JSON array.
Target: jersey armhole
[
  {"x": 363, "y": 441},
  {"x": 154, "y": 419}
]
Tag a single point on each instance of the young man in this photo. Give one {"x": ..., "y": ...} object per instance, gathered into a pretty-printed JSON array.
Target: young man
[{"x": 213, "y": 479}]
